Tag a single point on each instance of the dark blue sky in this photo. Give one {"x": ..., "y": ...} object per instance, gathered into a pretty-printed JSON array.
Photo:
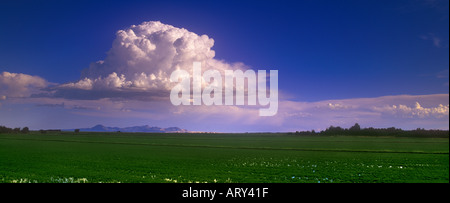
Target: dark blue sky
[{"x": 322, "y": 49}]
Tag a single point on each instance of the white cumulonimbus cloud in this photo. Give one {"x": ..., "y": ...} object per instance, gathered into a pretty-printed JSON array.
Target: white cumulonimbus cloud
[{"x": 143, "y": 57}]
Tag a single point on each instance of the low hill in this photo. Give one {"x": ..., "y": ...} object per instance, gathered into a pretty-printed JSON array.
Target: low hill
[{"x": 144, "y": 129}]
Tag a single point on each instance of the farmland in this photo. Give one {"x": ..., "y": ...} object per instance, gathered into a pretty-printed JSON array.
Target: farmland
[{"x": 223, "y": 158}]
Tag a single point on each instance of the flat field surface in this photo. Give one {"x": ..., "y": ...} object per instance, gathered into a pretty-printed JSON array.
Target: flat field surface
[{"x": 223, "y": 158}]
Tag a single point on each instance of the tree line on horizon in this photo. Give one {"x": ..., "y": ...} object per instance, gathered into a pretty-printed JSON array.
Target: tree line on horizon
[
  {"x": 4, "y": 129},
  {"x": 355, "y": 130},
  {"x": 392, "y": 131},
  {"x": 24, "y": 130}
]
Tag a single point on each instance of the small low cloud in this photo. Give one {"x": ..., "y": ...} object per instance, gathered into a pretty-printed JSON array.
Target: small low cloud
[
  {"x": 20, "y": 85},
  {"x": 51, "y": 105},
  {"x": 337, "y": 106},
  {"x": 437, "y": 41},
  {"x": 416, "y": 111},
  {"x": 442, "y": 74}
]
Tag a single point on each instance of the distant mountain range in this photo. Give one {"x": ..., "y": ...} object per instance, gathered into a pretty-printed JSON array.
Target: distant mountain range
[{"x": 144, "y": 129}]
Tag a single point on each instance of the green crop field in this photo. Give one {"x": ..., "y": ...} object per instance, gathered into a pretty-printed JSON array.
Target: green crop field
[{"x": 222, "y": 158}]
